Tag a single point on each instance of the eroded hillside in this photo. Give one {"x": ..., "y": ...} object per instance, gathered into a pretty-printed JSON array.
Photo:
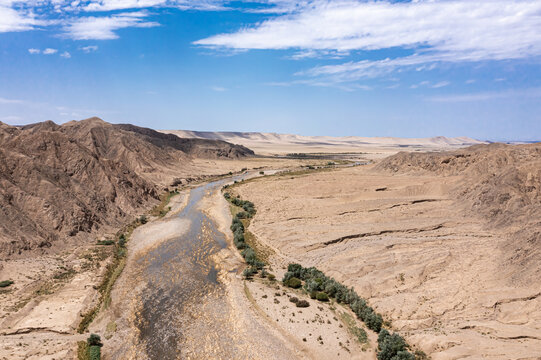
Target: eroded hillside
[
  {"x": 57, "y": 182},
  {"x": 445, "y": 245},
  {"x": 502, "y": 184}
]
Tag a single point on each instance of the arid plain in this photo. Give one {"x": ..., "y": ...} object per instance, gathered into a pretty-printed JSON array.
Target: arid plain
[{"x": 446, "y": 246}]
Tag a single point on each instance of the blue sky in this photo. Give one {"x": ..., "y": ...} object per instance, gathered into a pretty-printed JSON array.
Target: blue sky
[{"x": 342, "y": 67}]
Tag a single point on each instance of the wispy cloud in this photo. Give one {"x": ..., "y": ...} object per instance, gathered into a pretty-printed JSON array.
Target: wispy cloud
[
  {"x": 12, "y": 19},
  {"x": 66, "y": 55},
  {"x": 108, "y": 5},
  {"x": 104, "y": 27},
  {"x": 485, "y": 96},
  {"x": 435, "y": 31},
  {"x": 440, "y": 84},
  {"x": 50, "y": 51},
  {"x": 89, "y": 48},
  {"x": 34, "y": 51},
  {"x": 496, "y": 29},
  {"x": 10, "y": 101},
  {"x": 322, "y": 83}
]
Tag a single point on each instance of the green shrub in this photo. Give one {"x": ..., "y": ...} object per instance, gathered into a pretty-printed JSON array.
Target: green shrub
[
  {"x": 122, "y": 240},
  {"x": 383, "y": 334},
  {"x": 294, "y": 299},
  {"x": 294, "y": 283},
  {"x": 143, "y": 219},
  {"x": 374, "y": 321},
  {"x": 106, "y": 242},
  {"x": 321, "y": 296},
  {"x": 95, "y": 352},
  {"x": 94, "y": 346},
  {"x": 243, "y": 215},
  {"x": 393, "y": 347},
  {"x": 271, "y": 277},
  {"x": 312, "y": 285},
  {"x": 249, "y": 256},
  {"x": 302, "y": 303},
  {"x": 261, "y": 173},
  {"x": 249, "y": 272},
  {"x": 420, "y": 355},
  {"x": 5, "y": 283},
  {"x": 94, "y": 340}
]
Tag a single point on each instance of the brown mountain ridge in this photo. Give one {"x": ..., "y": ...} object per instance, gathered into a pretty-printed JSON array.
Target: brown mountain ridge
[{"x": 60, "y": 181}]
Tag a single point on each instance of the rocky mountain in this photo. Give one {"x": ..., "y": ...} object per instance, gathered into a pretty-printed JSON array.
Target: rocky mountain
[{"x": 63, "y": 181}]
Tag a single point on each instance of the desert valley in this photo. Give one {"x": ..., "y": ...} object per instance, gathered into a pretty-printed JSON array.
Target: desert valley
[
  {"x": 270, "y": 180},
  {"x": 124, "y": 232}
]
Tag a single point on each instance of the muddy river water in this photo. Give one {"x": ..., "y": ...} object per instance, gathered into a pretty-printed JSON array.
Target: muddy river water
[{"x": 183, "y": 312}]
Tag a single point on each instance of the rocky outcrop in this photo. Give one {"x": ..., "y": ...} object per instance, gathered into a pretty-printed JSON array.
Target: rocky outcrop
[{"x": 501, "y": 183}]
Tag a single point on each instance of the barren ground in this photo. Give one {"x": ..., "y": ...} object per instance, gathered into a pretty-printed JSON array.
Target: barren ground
[{"x": 405, "y": 244}]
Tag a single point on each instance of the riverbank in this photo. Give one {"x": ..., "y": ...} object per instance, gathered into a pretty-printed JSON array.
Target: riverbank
[{"x": 318, "y": 329}]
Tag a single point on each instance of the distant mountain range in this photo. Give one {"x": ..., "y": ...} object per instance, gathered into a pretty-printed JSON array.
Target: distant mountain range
[{"x": 264, "y": 143}]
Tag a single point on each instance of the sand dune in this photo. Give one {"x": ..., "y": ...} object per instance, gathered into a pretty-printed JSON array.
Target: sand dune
[{"x": 272, "y": 143}]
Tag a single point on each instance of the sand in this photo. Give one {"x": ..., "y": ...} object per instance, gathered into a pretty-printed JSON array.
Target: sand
[
  {"x": 357, "y": 146},
  {"x": 404, "y": 243}
]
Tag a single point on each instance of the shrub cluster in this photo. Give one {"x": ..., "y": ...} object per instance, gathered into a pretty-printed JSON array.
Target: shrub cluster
[
  {"x": 392, "y": 347},
  {"x": 105, "y": 242},
  {"x": 322, "y": 287},
  {"x": 237, "y": 227},
  {"x": 121, "y": 246},
  {"x": 5, "y": 283},
  {"x": 246, "y": 205},
  {"x": 293, "y": 282},
  {"x": 94, "y": 346}
]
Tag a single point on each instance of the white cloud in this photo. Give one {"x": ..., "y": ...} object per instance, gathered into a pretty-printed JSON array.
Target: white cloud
[
  {"x": 89, "y": 48},
  {"x": 262, "y": 6},
  {"x": 496, "y": 29},
  {"x": 16, "y": 20},
  {"x": 108, "y": 5},
  {"x": 10, "y": 101},
  {"x": 323, "y": 83},
  {"x": 34, "y": 51},
  {"x": 355, "y": 70},
  {"x": 49, "y": 51},
  {"x": 66, "y": 55},
  {"x": 433, "y": 30},
  {"x": 485, "y": 96},
  {"x": 440, "y": 84},
  {"x": 104, "y": 27}
]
